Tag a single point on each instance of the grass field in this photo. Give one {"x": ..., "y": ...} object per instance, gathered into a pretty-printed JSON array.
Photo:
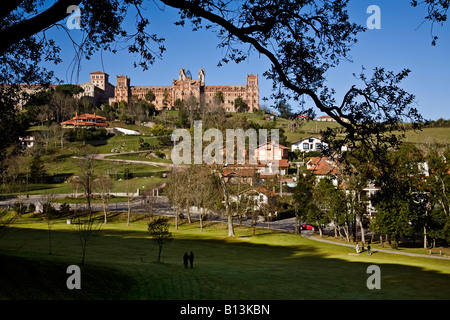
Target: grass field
[{"x": 121, "y": 264}]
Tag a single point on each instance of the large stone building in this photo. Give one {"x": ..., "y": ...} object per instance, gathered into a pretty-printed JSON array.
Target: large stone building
[
  {"x": 98, "y": 89},
  {"x": 184, "y": 87}
]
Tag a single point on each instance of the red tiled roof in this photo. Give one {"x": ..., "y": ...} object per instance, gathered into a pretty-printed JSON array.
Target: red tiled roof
[
  {"x": 88, "y": 120},
  {"x": 322, "y": 166},
  {"x": 239, "y": 171}
]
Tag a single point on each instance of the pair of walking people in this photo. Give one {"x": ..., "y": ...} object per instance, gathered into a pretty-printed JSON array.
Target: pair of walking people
[{"x": 188, "y": 259}]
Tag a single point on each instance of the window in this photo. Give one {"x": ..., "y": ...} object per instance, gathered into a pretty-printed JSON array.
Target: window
[{"x": 306, "y": 146}]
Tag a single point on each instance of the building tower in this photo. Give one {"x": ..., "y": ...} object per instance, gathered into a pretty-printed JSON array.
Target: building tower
[
  {"x": 123, "y": 89},
  {"x": 252, "y": 92}
]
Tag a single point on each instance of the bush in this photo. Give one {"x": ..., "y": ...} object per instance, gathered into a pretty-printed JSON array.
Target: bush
[
  {"x": 159, "y": 154},
  {"x": 19, "y": 208},
  {"x": 64, "y": 209},
  {"x": 85, "y": 134},
  {"x": 31, "y": 207}
]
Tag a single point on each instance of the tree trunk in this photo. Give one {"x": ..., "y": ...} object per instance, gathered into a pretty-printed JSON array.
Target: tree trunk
[
  {"x": 129, "y": 211},
  {"x": 363, "y": 238},
  {"x": 105, "y": 208},
  {"x": 189, "y": 213},
  {"x": 176, "y": 218},
  {"x": 227, "y": 205},
  {"x": 425, "y": 237},
  {"x": 159, "y": 253},
  {"x": 201, "y": 219}
]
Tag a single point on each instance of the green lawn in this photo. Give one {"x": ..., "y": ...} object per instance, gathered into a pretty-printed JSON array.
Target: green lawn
[{"x": 271, "y": 265}]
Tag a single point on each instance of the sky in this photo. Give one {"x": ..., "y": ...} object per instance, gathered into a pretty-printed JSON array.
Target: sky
[{"x": 401, "y": 42}]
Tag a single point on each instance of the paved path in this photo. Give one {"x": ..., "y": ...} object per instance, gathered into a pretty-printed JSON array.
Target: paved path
[
  {"x": 164, "y": 208},
  {"x": 104, "y": 156}
]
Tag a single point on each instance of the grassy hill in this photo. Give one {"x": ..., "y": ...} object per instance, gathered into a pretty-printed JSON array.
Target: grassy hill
[{"x": 120, "y": 264}]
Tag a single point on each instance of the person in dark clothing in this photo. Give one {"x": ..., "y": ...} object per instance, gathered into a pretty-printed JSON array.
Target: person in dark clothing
[
  {"x": 191, "y": 259},
  {"x": 185, "y": 259}
]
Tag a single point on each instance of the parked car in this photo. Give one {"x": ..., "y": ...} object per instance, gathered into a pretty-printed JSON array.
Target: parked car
[{"x": 306, "y": 227}]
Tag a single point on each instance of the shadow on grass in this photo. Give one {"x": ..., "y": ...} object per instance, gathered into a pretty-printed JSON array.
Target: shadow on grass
[{"x": 224, "y": 268}]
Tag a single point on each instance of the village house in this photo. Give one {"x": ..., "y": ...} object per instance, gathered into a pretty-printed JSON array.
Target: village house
[
  {"x": 323, "y": 167},
  {"x": 27, "y": 141},
  {"x": 328, "y": 118},
  {"x": 261, "y": 196},
  {"x": 275, "y": 156},
  {"x": 86, "y": 120},
  {"x": 307, "y": 144}
]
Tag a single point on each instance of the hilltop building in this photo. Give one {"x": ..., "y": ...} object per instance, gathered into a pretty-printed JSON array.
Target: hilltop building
[
  {"x": 185, "y": 86},
  {"x": 86, "y": 120}
]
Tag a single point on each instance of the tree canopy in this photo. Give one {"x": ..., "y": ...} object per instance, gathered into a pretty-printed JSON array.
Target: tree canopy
[{"x": 302, "y": 39}]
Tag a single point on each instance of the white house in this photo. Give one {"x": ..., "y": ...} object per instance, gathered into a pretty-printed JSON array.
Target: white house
[
  {"x": 27, "y": 141},
  {"x": 260, "y": 196},
  {"x": 309, "y": 144}
]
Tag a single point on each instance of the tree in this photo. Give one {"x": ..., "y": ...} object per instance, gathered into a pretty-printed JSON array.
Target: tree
[
  {"x": 50, "y": 216},
  {"x": 284, "y": 109},
  {"x": 103, "y": 185},
  {"x": 150, "y": 96},
  {"x": 302, "y": 40},
  {"x": 397, "y": 213},
  {"x": 37, "y": 169},
  {"x": 86, "y": 165},
  {"x": 62, "y": 104},
  {"x": 202, "y": 190},
  {"x": 159, "y": 231},
  {"x": 149, "y": 201},
  {"x": 240, "y": 105},
  {"x": 218, "y": 98},
  {"x": 437, "y": 211},
  {"x": 226, "y": 199},
  {"x": 178, "y": 191},
  {"x": 183, "y": 113},
  {"x": 191, "y": 104},
  {"x": 87, "y": 230}
]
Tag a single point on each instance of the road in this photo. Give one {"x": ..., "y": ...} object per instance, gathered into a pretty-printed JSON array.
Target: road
[
  {"x": 163, "y": 207},
  {"x": 104, "y": 156}
]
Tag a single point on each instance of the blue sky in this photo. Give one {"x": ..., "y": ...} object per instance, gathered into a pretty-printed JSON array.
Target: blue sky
[{"x": 399, "y": 44}]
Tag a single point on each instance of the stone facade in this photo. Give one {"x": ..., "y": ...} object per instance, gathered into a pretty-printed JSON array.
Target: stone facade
[{"x": 184, "y": 87}]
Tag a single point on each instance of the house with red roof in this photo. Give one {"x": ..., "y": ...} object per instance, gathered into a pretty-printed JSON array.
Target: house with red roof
[
  {"x": 323, "y": 167},
  {"x": 86, "y": 120}
]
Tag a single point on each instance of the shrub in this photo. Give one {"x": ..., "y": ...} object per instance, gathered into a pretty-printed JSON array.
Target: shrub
[
  {"x": 20, "y": 208},
  {"x": 64, "y": 209},
  {"x": 31, "y": 207}
]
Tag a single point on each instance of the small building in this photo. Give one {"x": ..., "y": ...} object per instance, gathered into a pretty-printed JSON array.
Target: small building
[
  {"x": 323, "y": 167},
  {"x": 328, "y": 118},
  {"x": 260, "y": 196},
  {"x": 271, "y": 151},
  {"x": 309, "y": 144},
  {"x": 86, "y": 120},
  {"x": 302, "y": 117},
  {"x": 27, "y": 141},
  {"x": 274, "y": 156}
]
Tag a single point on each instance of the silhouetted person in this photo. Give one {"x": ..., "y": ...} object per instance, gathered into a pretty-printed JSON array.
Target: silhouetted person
[
  {"x": 191, "y": 259},
  {"x": 185, "y": 259}
]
